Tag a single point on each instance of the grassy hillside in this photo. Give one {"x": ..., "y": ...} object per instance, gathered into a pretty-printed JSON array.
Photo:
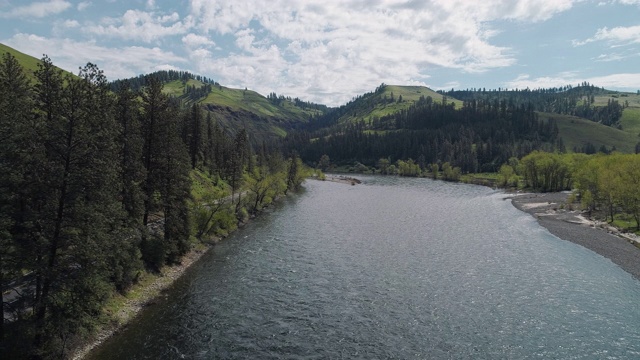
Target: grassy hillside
[
  {"x": 235, "y": 108},
  {"x": 29, "y": 63},
  {"x": 255, "y": 103},
  {"x": 630, "y": 120},
  {"x": 242, "y": 100},
  {"x": 577, "y": 131},
  {"x": 265, "y": 119},
  {"x": 409, "y": 94},
  {"x": 380, "y": 104}
]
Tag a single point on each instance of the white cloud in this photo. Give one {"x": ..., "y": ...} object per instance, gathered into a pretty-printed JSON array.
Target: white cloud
[
  {"x": 622, "y": 81},
  {"x": 194, "y": 40},
  {"x": 520, "y": 10},
  {"x": 70, "y": 24},
  {"x": 61, "y": 27},
  {"x": 37, "y": 9},
  {"x": 448, "y": 86},
  {"x": 140, "y": 25},
  {"x": 524, "y": 81},
  {"x": 83, "y": 5},
  {"x": 627, "y": 81},
  {"x": 325, "y": 51},
  {"x": 622, "y": 34},
  {"x": 616, "y": 56},
  {"x": 395, "y": 41},
  {"x": 121, "y": 62},
  {"x": 165, "y": 67}
]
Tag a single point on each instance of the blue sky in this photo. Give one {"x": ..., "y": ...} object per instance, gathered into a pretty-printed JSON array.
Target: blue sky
[{"x": 330, "y": 51}]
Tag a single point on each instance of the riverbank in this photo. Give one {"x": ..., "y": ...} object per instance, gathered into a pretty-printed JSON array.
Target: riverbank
[
  {"x": 552, "y": 212},
  {"x": 122, "y": 309},
  {"x": 140, "y": 296}
]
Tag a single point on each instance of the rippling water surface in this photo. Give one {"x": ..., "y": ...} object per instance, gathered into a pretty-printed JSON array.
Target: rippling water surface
[{"x": 392, "y": 268}]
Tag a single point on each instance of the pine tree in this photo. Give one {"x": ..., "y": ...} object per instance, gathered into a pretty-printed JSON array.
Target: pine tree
[
  {"x": 175, "y": 189},
  {"x": 78, "y": 214},
  {"x": 16, "y": 137},
  {"x": 194, "y": 138},
  {"x": 131, "y": 145},
  {"x": 132, "y": 174},
  {"x": 209, "y": 149},
  {"x": 154, "y": 107},
  {"x": 166, "y": 187}
]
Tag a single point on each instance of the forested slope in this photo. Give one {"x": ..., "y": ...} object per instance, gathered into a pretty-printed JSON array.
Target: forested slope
[
  {"x": 267, "y": 119},
  {"x": 98, "y": 186},
  {"x": 474, "y": 130}
]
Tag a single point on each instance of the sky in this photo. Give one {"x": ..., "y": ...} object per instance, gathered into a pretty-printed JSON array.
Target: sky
[{"x": 330, "y": 51}]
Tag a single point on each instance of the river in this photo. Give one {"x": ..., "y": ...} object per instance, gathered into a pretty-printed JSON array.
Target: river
[{"x": 392, "y": 268}]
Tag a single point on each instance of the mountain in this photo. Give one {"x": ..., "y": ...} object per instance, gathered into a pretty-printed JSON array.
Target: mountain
[
  {"x": 383, "y": 101},
  {"x": 630, "y": 120},
  {"x": 584, "y": 116},
  {"x": 613, "y": 117},
  {"x": 578, "y": 132},
  {"x": 390, "y": 99},
  {"x": 475, "y": 130},
  {"x": 266, "y": 119},
  {"x": 29, "y": 63}
]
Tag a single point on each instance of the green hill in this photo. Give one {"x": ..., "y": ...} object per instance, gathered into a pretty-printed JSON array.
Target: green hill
[
  {"x": 577, "y": 132},
  {"x": 630, "y": 120},
  {"x": 271, "y": 118},
  {"x": 29, "y": 63},
  {"x": 389, "y": 99},
  {"x": 266, "y": 119}
]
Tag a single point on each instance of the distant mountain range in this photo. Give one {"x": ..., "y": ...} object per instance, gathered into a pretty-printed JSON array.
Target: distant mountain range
[{"x": 271, "y": 118}]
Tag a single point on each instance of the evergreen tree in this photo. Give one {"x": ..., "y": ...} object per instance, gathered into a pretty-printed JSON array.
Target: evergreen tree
[
  {"x": 193, "y": 134},
  {"x": 167, "y": 185},
  {"x": 16, "y": 139},
  {"x": 78, "y": 212},
  {"x": 155, "y": 106},
  {"x": 132, "y": 175},
  {"x": 209, "y": 149},
  {"x": 175, "y": 189}
]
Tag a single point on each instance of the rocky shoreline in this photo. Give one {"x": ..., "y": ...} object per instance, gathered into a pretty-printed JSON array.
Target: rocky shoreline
[
  {"x": 552, "y": 212},
  {"x": 145, "y": 296}
]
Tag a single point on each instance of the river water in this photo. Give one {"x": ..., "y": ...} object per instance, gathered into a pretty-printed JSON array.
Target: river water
[{"x": 393, "y": 268}]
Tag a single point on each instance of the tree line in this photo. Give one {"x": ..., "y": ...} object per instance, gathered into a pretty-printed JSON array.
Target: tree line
[
  {"x": 96, "y": 187},
  {"x": 576, "y": 101},
  {"x": 138, "y": 82},
  {"x": 279, "y": 100},
  {"x": 195, "y": 93},
  {"x": 478, "y": 137},
  {"x": 607, "y": 183}
]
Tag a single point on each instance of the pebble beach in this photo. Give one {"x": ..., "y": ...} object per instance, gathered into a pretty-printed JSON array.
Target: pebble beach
[{"x": 553, "y": 213}]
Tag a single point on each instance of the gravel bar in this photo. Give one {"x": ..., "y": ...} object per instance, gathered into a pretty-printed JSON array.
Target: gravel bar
[{"x": 569, "y": 225}]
